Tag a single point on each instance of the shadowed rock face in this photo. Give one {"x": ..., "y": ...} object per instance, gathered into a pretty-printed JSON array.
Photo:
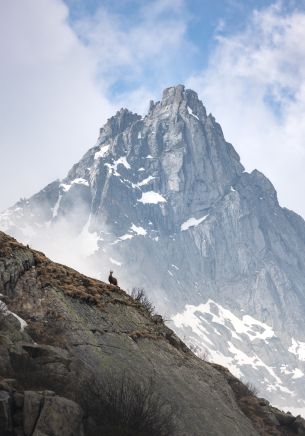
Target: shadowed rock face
[
  {"x": 78, "y": 330},
  {"x": 165, "y": 201}
]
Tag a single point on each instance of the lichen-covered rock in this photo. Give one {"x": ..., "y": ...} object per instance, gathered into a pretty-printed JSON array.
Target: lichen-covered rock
[{"x": 59, "y": 416}]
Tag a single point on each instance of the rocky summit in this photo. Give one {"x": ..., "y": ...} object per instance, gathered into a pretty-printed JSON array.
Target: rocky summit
[
  {"x": 76, "y": 354},
  {"x": 164, "y": 200}
]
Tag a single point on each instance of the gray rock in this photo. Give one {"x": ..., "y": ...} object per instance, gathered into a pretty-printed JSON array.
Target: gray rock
[
  {"x": 18, "y": 399},
  {"x": 31, "y": 411},
  {"x": 59, "y": 417}
]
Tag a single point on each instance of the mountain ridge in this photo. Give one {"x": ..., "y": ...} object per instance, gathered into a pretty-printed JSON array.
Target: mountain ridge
[{"x": 165, "y": 200}]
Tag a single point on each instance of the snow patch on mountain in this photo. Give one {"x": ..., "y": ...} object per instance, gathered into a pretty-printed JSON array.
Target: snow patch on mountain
[
  {"x": 113, "y": 168},
  {"x": 246, "y": 325},
  {"x": 138, "y": 230},
  {"x": 78, "y": 181},
  {"x": 298, "y": 348},
  {"x": 192, "y": 222},
  {"x": 102, "y": 152},
  {"x": 242, "y": 344},
  {"x": 227, "y": 339},
  {"x": 151, "y": 197},
  {"x": 192, "y": 113},
  {"x": 126, "y": 237},
  {"x": 123, "y": 161},
  {"x": 143, "y": 182},
  {"x": 297, "y": 373}
]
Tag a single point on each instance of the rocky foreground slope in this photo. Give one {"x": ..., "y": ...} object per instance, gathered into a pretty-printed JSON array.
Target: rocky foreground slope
[{"x": 64, "y": 337}]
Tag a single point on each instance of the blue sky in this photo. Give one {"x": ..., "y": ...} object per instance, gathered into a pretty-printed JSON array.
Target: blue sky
[
  {"x": 205, "y": 21},
  {"x": 68, "y": 65}
]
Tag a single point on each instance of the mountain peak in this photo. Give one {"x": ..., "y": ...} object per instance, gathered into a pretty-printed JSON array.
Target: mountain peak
[
  {"x": 118, "y": 123},
  {"x": 166, "y": 200},
  {"x": 173, "y": 93},
  {"x": 178, "y": 99}
]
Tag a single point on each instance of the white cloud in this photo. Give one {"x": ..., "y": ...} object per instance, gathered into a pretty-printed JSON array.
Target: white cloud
[
  {"x": 255, "y": 85},
  {"x": 50, "y": 107},
  {"x": 55, "y": 79},
  {"x": 146, "y": 51}
]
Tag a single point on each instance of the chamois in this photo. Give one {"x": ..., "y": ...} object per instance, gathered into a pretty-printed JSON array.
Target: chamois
[{"x": 112, "y": 280}]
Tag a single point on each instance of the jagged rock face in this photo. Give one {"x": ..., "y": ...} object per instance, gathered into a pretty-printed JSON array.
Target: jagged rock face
[{"x": 165, "y": 200}]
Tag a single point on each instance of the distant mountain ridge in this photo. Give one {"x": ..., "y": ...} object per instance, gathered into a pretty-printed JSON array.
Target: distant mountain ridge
[{"x": 165, "y": 201}]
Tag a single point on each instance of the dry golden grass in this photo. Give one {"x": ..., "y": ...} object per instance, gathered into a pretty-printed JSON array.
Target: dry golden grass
[{"x": 65, "y": 279}]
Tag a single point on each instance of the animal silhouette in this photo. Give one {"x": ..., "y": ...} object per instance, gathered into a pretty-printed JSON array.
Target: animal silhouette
[{"x": 112, "y": 280}]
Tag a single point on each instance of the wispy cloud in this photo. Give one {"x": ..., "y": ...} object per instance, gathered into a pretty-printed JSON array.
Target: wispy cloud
[
  {"x": 255, "y": 85},
  {"x": 59, "y": 83},
  {"x": 50, "y": 107},
  {"x": 140, "y": 53}
]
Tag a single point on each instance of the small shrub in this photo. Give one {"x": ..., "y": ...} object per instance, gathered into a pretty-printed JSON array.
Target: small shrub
[
  {"x": 202, "y": 353},
  {"x": 251, "y": 389},
  {"x": 138, "y": 294},
  {"x": 132, "y": 408},
  {"x": 243, "y": 390}
]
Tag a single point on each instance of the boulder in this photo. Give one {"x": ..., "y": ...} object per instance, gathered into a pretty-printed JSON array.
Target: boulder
[
  {"x": 59, "y": 417},
  {"x": 31, "y": 411}
]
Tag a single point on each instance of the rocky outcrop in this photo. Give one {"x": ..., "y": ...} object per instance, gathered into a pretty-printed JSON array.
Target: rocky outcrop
[
  {"x": 165, "y": 201},
  {"x": 78, "y": 333},
  {"x": 37, "y": 413}
]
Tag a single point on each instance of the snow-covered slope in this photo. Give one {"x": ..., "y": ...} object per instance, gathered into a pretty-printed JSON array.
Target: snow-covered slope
[
  {"x": 248, "y": 347},
  {"x": 165, "y": 201}
]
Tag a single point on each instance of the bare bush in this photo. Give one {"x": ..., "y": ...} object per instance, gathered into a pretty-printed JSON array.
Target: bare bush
[
  {"x": 202, "y": 353},
  {"x": 244, "y": 390},
  {"x": 132, "y": 408},
  {"x": 251, "y": 389},
  {"x": 138, "y": 294}
]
